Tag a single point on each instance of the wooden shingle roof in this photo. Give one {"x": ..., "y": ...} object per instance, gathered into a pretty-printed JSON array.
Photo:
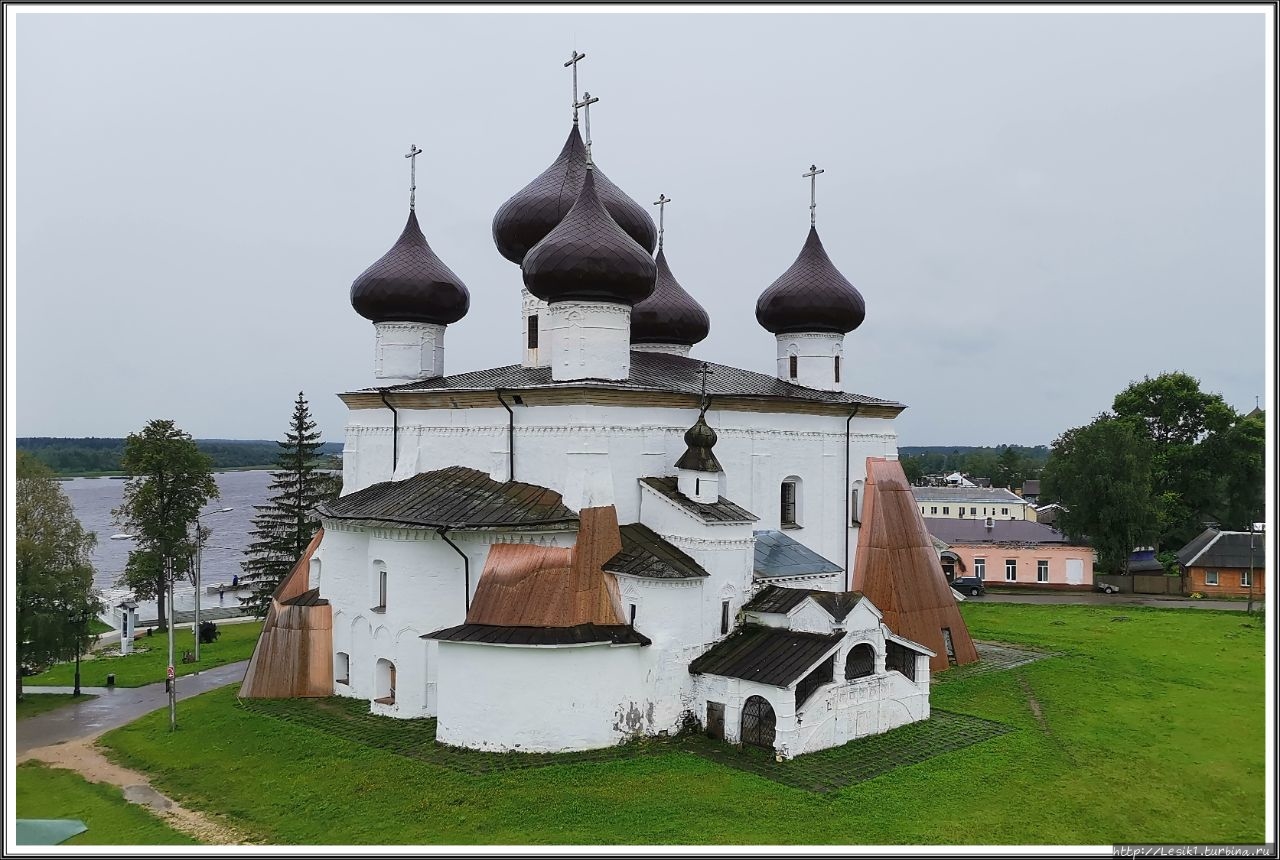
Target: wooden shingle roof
[
  {"x": 717, "y": 512},
  {"x": 644, "y": 553},
  {"x": 765, "y": 654},
  {"x": 456, "y": 497}
]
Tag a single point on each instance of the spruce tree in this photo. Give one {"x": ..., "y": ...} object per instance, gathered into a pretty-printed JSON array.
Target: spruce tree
[{"x": 284, "y": 526}]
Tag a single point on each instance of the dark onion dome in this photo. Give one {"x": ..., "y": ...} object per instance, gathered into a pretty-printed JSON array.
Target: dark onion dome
[
  {"x": 811, "y": 296},
  {"x": 701, "y": 439},
  {"x": 670, "y": 315},
  {"x": 526, "y": 218},
  {"x": 588, "y": 258},
  {"x": 410, "y": 283}
]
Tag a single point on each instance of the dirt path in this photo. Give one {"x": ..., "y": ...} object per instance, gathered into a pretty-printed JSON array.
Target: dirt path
[{"x": 83, "y": 757}]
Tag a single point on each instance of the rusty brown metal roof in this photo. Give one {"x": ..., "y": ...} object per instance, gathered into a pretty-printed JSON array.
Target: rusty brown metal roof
[
  {"x": 580, "y": 634},
  {"x": 456, "y": 497},
  {"x": 644, "y": 553},
  {"x": 722, "y": 511},
  {"x": 306, "y": 598},
  {"x": 898, "y": 568},
  {"x": 526, "y": 585},
  {"x": 765, "y": 654}
]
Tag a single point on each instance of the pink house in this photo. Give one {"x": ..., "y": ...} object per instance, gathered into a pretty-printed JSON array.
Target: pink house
[{"x": 1012, "y": 553}]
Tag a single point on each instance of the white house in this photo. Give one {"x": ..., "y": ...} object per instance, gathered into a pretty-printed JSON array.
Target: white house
[{"x": 611, "y": 535}]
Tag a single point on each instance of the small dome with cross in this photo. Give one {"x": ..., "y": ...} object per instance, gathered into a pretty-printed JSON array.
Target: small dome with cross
[
  {"x": 811, "y": 296},
  {"x": 410, "y": 283}
]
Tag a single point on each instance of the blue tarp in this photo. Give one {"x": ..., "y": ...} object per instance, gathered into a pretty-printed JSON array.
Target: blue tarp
[{"x": 47, "y": 831}]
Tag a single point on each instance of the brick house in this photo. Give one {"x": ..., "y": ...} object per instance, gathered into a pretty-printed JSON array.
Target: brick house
[{"x": 1217, "y": 563}]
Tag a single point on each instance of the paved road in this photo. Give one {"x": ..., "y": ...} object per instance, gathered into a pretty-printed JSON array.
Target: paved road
[
  {"x": 1094, "y": 599},
  {"x": 115, "y": 706}
]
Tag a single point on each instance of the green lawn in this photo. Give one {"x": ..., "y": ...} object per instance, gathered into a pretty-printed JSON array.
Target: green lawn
[
  {"x": 37, "y": 703},
  {"x": 1150, "y": 728},
  {"x": 46, "y": 792},
  {"x": 147, "y": 667}
]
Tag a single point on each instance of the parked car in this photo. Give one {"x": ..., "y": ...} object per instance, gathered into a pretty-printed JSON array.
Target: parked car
[
  {"x": 1107, "y": 588},
  {"x": 969, "y": 585}
]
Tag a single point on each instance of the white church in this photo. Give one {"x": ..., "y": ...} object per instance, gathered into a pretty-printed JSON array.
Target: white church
[{"x": 614, "y": 537}]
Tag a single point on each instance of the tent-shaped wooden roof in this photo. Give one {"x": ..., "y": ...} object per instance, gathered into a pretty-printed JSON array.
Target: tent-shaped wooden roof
[{"x": 898, "y": 568}]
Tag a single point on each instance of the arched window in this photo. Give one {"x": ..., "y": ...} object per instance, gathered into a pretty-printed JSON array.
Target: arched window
[
  {"x": 384, "y": 682},
  {"x": 342, "y": 668},
  {"x": 790, "y": 509},
  {"x": 793, "y": 368},
  {"x": 861, "y": 662},
  {"x": 378, "y": 585}
]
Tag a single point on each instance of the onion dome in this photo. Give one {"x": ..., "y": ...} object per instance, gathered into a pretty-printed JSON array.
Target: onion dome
[
  {"x": 701, "y": 439},
  {"x": 811, "y": 296},
  {"x": 589, "y": 258},
  {"x": 670, "y": 315},
  {"x": 410, "y": 283},
  {"x": 526, "y": 218}
]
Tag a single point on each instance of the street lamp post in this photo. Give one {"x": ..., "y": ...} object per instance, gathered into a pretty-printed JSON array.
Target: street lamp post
[
  {"x": 195, "y": 627},
  {"x": 171, "y": 680},
  {"x": 78, "y": 618}
]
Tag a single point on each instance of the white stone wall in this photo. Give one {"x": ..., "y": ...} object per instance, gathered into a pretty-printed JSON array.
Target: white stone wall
[
  {"x": 425, "y": 592},
  {"x": 668, "y": 348},
  {"x": 815, "y": 354},
  {"x": 541, "y": 699},
  {"x": 757, "y": 451},
  {"x": 590, "y": 340},
  {"x": 407, "y": 351}
]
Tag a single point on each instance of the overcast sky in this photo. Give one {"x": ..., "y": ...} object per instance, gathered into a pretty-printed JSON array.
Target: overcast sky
[{"x": 1037, "y": 208}]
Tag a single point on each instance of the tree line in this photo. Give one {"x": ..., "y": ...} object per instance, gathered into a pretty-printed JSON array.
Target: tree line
[
  {"x": 170, "y": 484},
  {"x": 1006, "y": 465},
  {"x": 67, "y": 456}
]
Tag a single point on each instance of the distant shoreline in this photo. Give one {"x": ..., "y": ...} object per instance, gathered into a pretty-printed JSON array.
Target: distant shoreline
[{"x": 266, "y": 468}]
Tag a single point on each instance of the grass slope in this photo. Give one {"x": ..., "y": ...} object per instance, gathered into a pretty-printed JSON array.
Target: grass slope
[
  {"x": 235, "y": 642},
  {"x": 34, "y": 704},
  {"x": 1148, "y": 729},
  {"x": 46, "y": 792}
]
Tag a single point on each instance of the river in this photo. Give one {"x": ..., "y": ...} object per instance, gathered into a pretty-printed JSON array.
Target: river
[{"x": 94, "y": 499}]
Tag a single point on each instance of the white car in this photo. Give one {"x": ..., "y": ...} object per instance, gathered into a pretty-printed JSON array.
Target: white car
[{"x": 1107, "y": 588}]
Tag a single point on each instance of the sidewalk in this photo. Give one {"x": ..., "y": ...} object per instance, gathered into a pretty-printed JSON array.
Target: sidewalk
[{"x": 114, "y": 707}]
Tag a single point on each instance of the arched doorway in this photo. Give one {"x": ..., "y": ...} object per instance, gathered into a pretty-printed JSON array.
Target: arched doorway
[
  {"x": 384, "y": 682},
  {"x": 758, "y": 722}
]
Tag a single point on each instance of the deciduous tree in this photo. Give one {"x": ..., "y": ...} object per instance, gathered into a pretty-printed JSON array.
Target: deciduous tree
[
  {"x": 284, "y": 526},
  {"x": 54, "y": 576},
  {"x": 1101, "y": 474},
  {"x": 171, "y": 481}
]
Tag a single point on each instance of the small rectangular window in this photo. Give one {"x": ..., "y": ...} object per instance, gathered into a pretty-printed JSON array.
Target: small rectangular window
[
  {"x": 1211, "y": 577},
  {"x": 1246, "y": 579},
  {"x": 793, "y": 363},
  {"x": 853, "y": 507},
  {"x": 1011, "y": 569},
  {"x": 788, "y": 503},
  {"x": 633, "y": 613},
  {"x": 980, "y": 568},
  {"x": 933, "y": 509},
  {"x": 1004, "y": 512},
  {"x": 533, "y": 331},
  {"x": 382, "y": 589},
  {"x": 946, "y": 511},
  {"x": 724, "y": 618},
  {"x": 973, "y": 512},
  {"x": 837, "y": 368},
  {"x": 1042, "y": 570}
]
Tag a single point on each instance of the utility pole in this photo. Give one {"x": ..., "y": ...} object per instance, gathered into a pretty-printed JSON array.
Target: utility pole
[
  {"x": 1249, "y": 608},
  {"x": 171, "y": 680}
]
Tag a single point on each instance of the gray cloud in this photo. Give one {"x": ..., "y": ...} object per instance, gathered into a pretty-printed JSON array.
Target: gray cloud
[{"x": 1038, "y": 208}]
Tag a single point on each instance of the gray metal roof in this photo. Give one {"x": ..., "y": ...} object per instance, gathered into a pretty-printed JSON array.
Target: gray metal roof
[
  {"x": 650, "y": 371},
  {"x": 765, "y": 654},
  {"x": 722, "y": 511},
  {"x": 974, "y": 530},
  {"x": 965, "y": 494},
  {"x": 456, "y": 497},
  {"x": 778, "y": 555},
  {"x": 1213, "y": 548},
  {"x": 644, "y": 553}
]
